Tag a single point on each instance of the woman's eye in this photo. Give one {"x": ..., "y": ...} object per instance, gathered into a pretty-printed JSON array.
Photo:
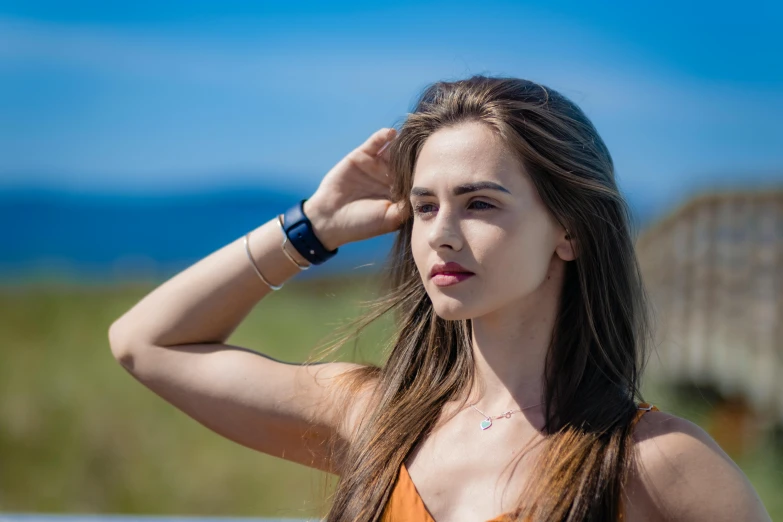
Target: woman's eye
[
  {"x": 419, "y": 209},
  {"x": 486, "y": 207}
]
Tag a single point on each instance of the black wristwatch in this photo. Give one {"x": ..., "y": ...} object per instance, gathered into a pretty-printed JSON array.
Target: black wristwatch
[{"x": 300, "y": 233}]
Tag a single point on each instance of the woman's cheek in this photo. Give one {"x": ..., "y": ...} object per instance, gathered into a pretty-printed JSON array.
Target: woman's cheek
[{"x": 518, "y": 268}]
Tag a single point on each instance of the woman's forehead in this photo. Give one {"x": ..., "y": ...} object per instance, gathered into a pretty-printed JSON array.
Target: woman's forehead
[{"x": 467, "y": 153}]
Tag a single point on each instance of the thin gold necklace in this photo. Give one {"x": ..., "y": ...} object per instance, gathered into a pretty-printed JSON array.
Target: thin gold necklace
[{"x": 487, "y": 422}]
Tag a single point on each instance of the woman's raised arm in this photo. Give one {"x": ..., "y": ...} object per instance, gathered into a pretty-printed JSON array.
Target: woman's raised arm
[{"x": 172, "y": 340}]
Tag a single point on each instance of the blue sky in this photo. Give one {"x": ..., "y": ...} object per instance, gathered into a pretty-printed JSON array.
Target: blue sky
[{"x": 143, "y": 96}]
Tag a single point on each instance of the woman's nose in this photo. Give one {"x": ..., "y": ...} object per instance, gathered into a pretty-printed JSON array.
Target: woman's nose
[{"x": 445, "y": 231}]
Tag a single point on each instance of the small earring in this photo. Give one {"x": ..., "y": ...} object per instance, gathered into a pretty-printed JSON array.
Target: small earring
[{"x": 568, "y": 235}]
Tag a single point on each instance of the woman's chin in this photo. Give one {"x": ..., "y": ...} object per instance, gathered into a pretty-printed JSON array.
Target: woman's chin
[{"x": 453, "y": 311}]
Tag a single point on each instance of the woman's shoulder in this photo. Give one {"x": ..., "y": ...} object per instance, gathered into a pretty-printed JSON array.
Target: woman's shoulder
[{"x": 683, "y": 474}]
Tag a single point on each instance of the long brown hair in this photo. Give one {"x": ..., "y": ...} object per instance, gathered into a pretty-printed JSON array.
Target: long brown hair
[{"x": 598, "y": 348}]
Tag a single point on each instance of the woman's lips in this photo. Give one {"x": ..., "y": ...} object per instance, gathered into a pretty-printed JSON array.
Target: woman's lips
[{"x": 450, "y": 278}]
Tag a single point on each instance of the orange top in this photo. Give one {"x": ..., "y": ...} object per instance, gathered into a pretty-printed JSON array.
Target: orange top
[{"x": 405, "y": 503}]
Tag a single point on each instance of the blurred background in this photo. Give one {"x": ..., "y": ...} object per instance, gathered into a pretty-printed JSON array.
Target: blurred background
[{"x": 138, "y": 137}]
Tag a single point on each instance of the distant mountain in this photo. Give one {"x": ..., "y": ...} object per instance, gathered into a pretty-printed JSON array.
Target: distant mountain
[{"x": 108, "y": 237}]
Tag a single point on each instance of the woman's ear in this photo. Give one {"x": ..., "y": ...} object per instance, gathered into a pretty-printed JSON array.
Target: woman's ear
[{"x": 566, "y": 246}]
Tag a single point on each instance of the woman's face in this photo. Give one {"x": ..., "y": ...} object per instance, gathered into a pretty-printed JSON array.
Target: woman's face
[{"x": 504, "y": 235}]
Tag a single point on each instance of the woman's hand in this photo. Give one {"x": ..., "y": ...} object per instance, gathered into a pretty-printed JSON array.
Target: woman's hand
[{"x": 353, "y": 201}]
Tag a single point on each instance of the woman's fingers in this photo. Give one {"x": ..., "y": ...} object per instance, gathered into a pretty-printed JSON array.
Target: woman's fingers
[
  {"x": 377, "y": 140},
  {"x": 384, "y": 153},
  {"x": 372, "y": 156},
  {"x": 373, "y": 166}
]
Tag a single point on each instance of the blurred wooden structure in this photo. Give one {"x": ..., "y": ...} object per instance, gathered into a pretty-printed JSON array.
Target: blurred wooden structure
[{"x": 714, "y": 272}]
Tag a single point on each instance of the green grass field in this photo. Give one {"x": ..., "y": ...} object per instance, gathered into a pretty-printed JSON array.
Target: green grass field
[{"x": 80, "y": 435}]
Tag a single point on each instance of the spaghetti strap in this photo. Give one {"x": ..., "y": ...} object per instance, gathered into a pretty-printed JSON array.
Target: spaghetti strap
[{"x": 641, "y": 409}]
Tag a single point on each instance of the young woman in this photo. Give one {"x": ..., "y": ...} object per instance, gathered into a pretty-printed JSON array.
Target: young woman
[{"x": 510, "y": 391}]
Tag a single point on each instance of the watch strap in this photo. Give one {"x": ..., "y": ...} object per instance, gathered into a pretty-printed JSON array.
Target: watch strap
[{"x": 301, "y": 235}]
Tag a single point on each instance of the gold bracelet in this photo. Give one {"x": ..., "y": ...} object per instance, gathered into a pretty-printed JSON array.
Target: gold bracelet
[
  {"x": 253, "y": 263},
  {"x": 285, "y": 239}
]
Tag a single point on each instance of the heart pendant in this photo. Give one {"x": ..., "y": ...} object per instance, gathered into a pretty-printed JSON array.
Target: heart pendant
[{"x": 486, "y": 423}]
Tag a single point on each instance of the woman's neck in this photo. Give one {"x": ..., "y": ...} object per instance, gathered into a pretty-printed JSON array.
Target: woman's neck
[{"x": 510, "y": 347}]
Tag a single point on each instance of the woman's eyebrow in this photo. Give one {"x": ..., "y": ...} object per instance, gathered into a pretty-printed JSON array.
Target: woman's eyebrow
[{"x": 462, "y": 189}]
